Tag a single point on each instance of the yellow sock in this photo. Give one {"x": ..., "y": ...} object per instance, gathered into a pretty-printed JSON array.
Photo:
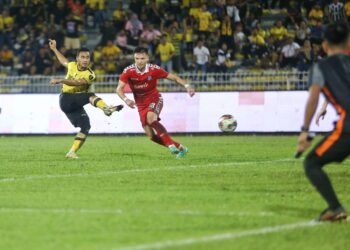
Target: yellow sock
[
  {"x": 98, "y": 102},
  {"x": 101, "y": 104},
  {"x": 78, "y": 142}
]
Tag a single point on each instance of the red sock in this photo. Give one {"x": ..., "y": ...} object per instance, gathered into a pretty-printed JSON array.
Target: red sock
[
  {"x": 158, "y": 140},
  {"x": 162, "y": 133}
]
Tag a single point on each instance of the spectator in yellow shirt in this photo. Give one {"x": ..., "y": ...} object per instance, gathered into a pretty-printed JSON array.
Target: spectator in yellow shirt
[
  {"x": 96, "y": 4},
  {"x": 204, "y": 20},
  {"x": 110, "y": 53},
  {"x": 255, "y": 38},
  {"x": 98, "y": 9},
  {"x": 316, "y": 14},
  {"x": 111, "y": 50},
  {"x": 165, "y": 50},
  {"x": 226, "y": 31},
  {"x": 261, "y": 31},
  {"x": 256, "y": 44},
  {"x": 279, "y": 32},
  {"x": 194, "y": 10},
  {"x": 6, "y": 27},
  {"x": 347, "y": 9},
  {"x": 6, "y": 57},
  {"x": 119, "y": 16},
  {"x": 214, "y": 26}
]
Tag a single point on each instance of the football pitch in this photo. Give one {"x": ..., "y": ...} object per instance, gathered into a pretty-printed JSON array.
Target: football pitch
[{"x": 127, "y": 193}]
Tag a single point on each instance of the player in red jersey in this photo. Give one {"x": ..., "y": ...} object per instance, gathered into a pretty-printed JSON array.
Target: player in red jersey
[{"x": 142, "y": 78}]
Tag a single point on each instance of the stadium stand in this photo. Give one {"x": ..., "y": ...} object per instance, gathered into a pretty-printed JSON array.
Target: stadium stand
[{"x": 241, "y": 36}]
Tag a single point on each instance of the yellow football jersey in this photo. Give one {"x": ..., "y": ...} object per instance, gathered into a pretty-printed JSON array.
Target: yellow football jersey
[
  {"x": 165, "y": 51},
  {"x": 74, "y": 73},
  {"x": 204, "y": 20}
]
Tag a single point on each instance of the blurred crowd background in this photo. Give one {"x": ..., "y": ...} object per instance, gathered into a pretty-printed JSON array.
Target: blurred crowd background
[{"x": 182, "y": 36}]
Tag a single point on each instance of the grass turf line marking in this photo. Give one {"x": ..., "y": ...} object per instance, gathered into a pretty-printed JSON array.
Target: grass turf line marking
[
  {"x": 140, "y": 170},
  {"x": 121, "y": 211},
  {"x": 219, "y": 237}
]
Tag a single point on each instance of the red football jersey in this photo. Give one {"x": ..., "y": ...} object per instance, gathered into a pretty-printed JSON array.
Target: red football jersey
[{"x": 143, "y": 84}]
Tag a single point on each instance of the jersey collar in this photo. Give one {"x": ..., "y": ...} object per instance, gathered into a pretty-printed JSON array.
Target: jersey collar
[{"x": 144, "y": 72}]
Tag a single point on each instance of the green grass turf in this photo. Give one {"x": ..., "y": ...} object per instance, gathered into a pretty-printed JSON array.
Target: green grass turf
[{"x": 126, "y": 191}]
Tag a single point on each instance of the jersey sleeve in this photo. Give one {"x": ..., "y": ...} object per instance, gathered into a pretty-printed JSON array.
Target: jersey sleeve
[
  {"x": 161, "y": 73},
  {"x": 91, "y": 77},
  {"x": 124, "y": 77},
  {"x": 316, "y": 76},
  {"x": 70, "y": 66}
]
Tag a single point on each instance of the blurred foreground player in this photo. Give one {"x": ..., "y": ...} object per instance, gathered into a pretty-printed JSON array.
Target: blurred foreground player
[{"x": 331, "y": 76}]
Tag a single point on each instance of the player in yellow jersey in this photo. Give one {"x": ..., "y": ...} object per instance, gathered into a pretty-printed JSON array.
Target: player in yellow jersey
[{"x": 76, "y": 93}]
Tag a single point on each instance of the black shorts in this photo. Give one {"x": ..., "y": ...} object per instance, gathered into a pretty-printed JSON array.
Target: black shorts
[
  {"x": 73, "y": 106},
  {"x": 333, "y": 148}
]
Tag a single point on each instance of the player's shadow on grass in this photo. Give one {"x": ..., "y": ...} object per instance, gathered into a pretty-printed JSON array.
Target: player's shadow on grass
[{"x": 294, "y": 211}]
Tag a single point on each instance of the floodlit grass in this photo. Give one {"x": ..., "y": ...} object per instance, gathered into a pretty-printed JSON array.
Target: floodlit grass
[{"x": 128, "y": 193}]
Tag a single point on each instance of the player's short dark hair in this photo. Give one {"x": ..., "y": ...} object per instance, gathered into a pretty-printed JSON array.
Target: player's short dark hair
[
  {"x": 337, "y": 34},
  {"x": 141, "y": 50},
  {"x": 83, "y": 50}
]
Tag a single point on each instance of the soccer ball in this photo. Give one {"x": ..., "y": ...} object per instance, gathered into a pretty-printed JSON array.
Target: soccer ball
[{"x": 227, "y": 123}]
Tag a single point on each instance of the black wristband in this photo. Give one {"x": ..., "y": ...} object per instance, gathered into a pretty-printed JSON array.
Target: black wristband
[{"x": 303, "y": 129}]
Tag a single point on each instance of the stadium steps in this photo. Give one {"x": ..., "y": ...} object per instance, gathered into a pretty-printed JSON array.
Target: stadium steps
[{"x": 93, "y": 38}]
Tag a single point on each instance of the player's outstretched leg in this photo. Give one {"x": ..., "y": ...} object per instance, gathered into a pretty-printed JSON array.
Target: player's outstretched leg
[
  {"x": 163, "y": 136},
  {"x": 314, "y": 172},
  {"x": 107, "y": 110}
]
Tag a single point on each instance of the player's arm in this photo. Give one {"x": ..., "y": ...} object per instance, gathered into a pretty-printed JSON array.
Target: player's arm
[
  {"x": 60, "y": 57},
  {"x": 322, "y": 112},
  {"x": 316, "y": 83},
  {"x": 311, "y": 105},
  {"x": 121, "y": 93},
  {"x": 179, "y": 80},
  {"x": 70, "y": 82}
]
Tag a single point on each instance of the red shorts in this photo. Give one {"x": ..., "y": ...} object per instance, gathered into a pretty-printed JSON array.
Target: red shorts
[{"x": 154, "y": 105}]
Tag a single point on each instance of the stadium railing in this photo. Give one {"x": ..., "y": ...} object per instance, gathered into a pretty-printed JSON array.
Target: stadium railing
[{"x": 238, "y": 81}]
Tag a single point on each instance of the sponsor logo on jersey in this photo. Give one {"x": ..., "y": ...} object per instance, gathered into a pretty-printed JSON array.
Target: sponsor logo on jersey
[{"x": 141, "y": 86}]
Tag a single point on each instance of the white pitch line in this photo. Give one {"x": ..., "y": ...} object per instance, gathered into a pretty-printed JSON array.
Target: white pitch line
[
  {"x": 140, "y": 170},
  {"x": 60, "y": 210},
  {"x": 231, "y": 213},
  {"x": 219, "y": 237},
  {"x": 121, "y": 211}
]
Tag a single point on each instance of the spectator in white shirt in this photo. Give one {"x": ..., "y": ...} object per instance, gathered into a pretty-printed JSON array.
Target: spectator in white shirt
[
  {"x": 288, "y": 57},
  {"x": 238, "y": 36},
  {"x": 223, "y": 57},
  {"x": 201, "y": 56},
  {"x": 232, "y": 11}
]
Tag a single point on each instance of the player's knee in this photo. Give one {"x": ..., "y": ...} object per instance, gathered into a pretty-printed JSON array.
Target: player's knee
[
  {"x": 85, "y": 127},
  {"x": 311, "y": 163},
  {"x": 151, "y": 119}
]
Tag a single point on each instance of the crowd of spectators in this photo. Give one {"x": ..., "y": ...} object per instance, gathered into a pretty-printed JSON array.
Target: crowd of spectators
[{"x": 182, "y": 35}]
